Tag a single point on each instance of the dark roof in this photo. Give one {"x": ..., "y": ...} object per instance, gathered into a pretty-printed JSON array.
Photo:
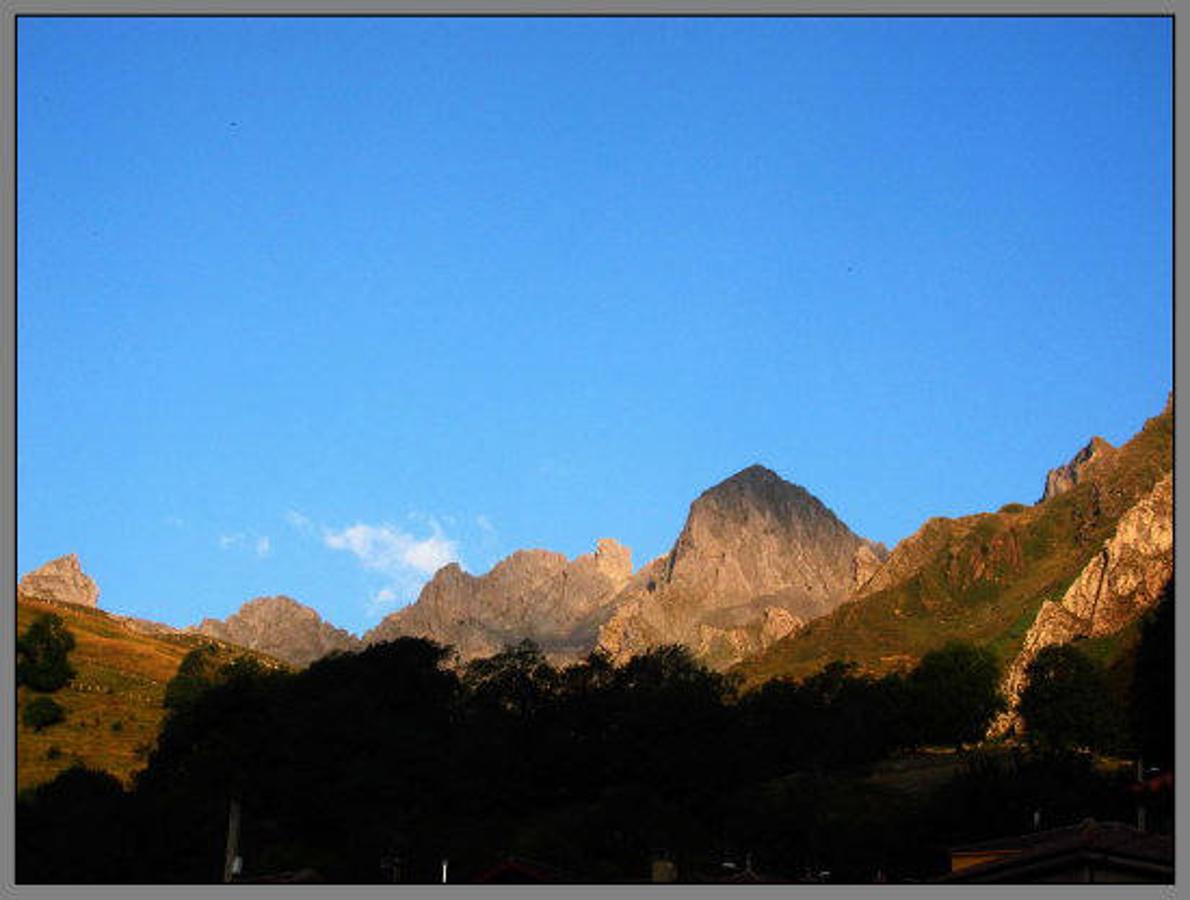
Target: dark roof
[
  {"x": 1156, "y": 784},
  {"x": 1113, "y": 844}
]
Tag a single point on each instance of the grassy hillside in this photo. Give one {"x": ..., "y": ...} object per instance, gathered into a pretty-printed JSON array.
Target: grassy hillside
[
  {"x": 114, "y": 704},
  {"x": 980, "y": 578}
]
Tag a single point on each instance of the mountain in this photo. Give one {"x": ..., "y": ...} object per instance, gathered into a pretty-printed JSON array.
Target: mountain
[
  {"x": 114, "y": 703},
  {"x": 537, "y": 594},
  {"x": 985, "y": 577},
  {"x": 1060, "y": 480},
  {"x": 280, "y": 627},
  {"x": 61, "y": 580},
  {"x": 757, "y": 558}
]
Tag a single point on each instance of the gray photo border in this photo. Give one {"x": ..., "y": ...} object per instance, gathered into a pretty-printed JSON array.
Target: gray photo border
[{"x": 8, "y": 375}]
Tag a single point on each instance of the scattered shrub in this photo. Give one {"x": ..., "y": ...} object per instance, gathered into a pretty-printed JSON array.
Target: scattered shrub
[{"x": 42, "y": 712}]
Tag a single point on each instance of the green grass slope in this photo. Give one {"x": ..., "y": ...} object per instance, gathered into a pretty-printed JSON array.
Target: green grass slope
[
  {"x": 979, "y": 578},
  {"x": 114, "y": 703}
]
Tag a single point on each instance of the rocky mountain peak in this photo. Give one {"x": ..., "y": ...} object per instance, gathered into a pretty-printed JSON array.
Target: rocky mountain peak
[
  {"x": 613, "y": 559},
  {"x": 61, "y": 580},
  {"x": 756, "y": 555},
  {"x": 537, "y": 594},
  {"x": 757, "y": 491},
  {"x": 755, "y": 474},
  {"x": 281, "y": 627},
  {"x": 531, "y": 563},
  {"x": 1063, "y": 478}
]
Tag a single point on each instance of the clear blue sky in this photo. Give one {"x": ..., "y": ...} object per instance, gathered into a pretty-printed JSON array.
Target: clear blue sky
[{"x": 312, "y": 306}]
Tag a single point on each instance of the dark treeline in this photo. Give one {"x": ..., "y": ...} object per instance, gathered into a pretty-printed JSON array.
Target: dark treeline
[{"x": 379, "y": 765}]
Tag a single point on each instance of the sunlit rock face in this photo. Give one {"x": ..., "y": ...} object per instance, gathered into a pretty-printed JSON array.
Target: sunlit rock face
[
  {"x": 280, "y": 627},
  {"x": 535, "y": 594},
  {"x": 61, "y": 580},
  {"x": 1123, "y": 581},
  {"x": 1060, "y": 480},
  {"x": 757, "y": 558}
]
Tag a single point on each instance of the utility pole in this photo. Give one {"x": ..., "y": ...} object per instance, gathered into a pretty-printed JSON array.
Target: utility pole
[{"x": 231, "y": 859}]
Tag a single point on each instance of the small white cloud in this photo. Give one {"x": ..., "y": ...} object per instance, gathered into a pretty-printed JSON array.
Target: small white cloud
[
  {"x": 383, "y": 601},
  {"x": 388, "y": 549},
  {"x": 405, "y": 561},
  {"x": 298, "y": 521},
  {"x": 245, "y": 541}
]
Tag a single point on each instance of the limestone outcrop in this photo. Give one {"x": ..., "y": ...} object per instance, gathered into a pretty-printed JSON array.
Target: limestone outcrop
[
  {"x": 280, "y": 627},
  {"x": 1060, "y": 480},
  {"x": 61, "y": 580},
  {"x": 535, "y": 594},
  {"x": 1120, "y": 583},
  {"x": 757, "y": 557}
]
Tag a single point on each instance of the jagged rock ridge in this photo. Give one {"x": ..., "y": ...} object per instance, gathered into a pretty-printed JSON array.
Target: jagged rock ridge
[
  {"x": 1063, "y": 478},
  {"x": 536, "y": 594},
  {"x": 61, "y": 580},
  {"x": 281, "y": 627},
  {"x": 757, "y": 558},
  {"x": 1120, "y": 583}
]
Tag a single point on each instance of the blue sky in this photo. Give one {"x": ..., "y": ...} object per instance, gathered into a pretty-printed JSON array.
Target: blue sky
[{"x": 313, "y": 306}]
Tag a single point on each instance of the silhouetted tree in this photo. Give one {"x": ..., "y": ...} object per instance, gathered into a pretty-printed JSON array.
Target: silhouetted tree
[
  {"x": 74, "y": 829},
  {"x": 1066, "y": 703},
  {"x": 954, "y": 693},
  {"x": 196, "y": 674},
  {"x": 833, "y": 718},
  {"x": 518, "y": 679},
  {"x": 1152, "y": 689}
]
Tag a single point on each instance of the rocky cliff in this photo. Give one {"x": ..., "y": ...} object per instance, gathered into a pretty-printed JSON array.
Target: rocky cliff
[
  {"x": 280, "y": 627},
  {"x": 60, "y": 580},
  {"x": 536, "y": 594},
  {"x": 1120, "y": 583},
  {"x": 756, "y": 559},
  {"x": 1060, "y": 480}
]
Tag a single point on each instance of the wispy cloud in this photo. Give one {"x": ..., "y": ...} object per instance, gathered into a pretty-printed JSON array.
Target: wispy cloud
[
  {"x": 242, "y": 540},
  {"x": 403, "y": 560},
  {"x": 387, "y": 549},
  {"x": 298, "y": 521},
  {"x": 383, "y": 602}
]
